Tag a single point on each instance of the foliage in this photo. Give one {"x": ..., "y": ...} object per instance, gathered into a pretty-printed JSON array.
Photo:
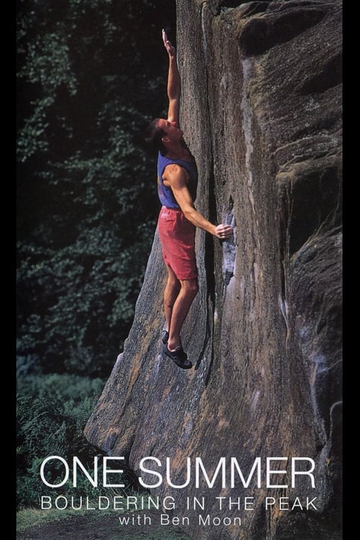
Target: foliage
[
  {"x": 90, "y": 77},
  {"x": 51, "y": 414}
]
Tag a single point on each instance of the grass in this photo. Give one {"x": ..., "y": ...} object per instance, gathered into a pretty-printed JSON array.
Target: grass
[
  {"x": 30, "y": 517},
  {"x": 104, "y": 524}
]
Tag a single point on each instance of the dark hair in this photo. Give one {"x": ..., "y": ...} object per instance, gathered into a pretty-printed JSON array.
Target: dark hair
[{"x": 153, "y": 136}]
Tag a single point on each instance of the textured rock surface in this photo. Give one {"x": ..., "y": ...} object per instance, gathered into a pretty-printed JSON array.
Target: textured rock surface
[{"x": 261, "y": 112}]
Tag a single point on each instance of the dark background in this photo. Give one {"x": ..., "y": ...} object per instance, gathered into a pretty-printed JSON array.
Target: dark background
[{"x": 91, "y": 75}]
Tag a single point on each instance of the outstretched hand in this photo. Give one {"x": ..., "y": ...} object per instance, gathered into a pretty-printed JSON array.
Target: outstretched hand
[
  {"x": 170, "y": 49},
  {"x": 223, "y": 231}
]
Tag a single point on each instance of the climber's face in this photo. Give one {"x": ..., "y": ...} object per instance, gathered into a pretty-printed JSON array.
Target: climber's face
[{"x": 173, "y": 133}]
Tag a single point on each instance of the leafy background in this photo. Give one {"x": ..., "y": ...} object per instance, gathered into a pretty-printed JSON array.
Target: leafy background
[{"x": 91, "y": 74}]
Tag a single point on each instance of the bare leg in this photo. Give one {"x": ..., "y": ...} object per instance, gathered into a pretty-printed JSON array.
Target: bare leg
[
  {"x": 180, "y": 308},
  {"x": 171, "y": 292}
]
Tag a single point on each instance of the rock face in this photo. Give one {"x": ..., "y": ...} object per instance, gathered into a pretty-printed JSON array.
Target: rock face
[{"x": 261, "y": 112}]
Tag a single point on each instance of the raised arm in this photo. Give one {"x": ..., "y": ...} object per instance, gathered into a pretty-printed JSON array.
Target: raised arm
[{"x": 173, "y": 83}]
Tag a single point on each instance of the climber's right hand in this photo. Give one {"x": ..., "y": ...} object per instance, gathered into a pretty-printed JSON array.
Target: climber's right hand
[{"x": 223, "y": 231}]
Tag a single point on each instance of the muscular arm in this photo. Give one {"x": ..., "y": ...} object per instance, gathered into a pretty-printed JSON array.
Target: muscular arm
[
  {"x": 173, "y": 83},
  {"x": 176, "y": 178}
]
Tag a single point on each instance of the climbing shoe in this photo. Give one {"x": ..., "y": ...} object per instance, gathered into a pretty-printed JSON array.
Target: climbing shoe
[
  {"x": 165, "y": 337},
  {"x": 178, "y": 356}
]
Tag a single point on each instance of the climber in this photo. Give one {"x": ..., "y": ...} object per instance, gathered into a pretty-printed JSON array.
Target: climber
[{"x": 178, "y": 218}]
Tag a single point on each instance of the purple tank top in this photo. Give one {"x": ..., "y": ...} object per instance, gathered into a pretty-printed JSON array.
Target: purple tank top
[{"x": 165, "y": 193}]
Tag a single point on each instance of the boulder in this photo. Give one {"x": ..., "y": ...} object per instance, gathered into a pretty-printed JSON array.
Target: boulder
[{"x": 261, "y": 113}]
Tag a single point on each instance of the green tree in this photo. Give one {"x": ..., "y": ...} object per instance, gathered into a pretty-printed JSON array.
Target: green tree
[{"x": 90, "y": 77}]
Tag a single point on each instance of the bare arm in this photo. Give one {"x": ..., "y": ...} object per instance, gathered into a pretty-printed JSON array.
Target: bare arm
[
  {"x": 176, "y": 178},
  {"x": 173, "y": 83}
]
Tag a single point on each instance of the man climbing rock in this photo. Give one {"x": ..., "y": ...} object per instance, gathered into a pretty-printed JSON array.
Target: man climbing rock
[{"x": 178, "y": 218}]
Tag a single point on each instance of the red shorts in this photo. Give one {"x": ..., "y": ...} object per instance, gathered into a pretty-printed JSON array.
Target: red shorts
[{"x": 177, "y": 236}]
